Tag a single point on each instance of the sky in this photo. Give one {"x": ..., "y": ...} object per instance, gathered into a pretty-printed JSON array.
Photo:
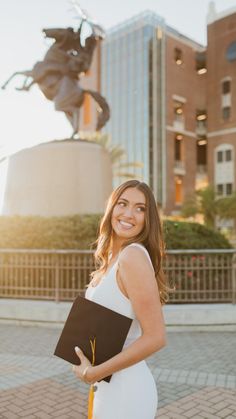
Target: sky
[{"x": 27, "y": 118}]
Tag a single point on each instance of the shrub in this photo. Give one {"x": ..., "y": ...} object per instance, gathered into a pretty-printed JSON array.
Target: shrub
[
  {"x": 35, "y": 232},
  {"x": 185, "y": 235},
  {"x": 80, "y": 231}
]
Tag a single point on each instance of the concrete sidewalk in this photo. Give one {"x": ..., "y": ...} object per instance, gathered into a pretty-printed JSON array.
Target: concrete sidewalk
[
  {"x": 195, "y": 376},
  {"x": 177, "y": 316}
]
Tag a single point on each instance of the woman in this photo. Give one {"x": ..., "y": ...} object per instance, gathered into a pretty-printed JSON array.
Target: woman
[{"x": 129, "y": 280}]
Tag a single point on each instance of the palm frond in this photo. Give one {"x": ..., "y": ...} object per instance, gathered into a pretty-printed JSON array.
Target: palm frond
[{"x": 117, "y": 154}]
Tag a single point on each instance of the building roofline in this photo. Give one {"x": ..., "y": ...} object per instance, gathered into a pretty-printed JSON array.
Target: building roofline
[
  {"x": 184, "y": 38},
  {"x": 148, "y": 16},
  {"x": 214, "y": 16}
]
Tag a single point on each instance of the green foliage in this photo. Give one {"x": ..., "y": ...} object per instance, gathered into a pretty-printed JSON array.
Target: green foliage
[
  {"x": 80, "y": 232},
  {"x": 190, "y": 207},
  {"x": 117, "y": 155},
  {"x": 35, "y": 232},
  {"x": 184, "y": 235},
  {"x": 206, "y": 202},
  {"x": 227, "y": 206}
]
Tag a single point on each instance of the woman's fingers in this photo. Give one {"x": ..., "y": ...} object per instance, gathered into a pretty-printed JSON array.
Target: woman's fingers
[{"x": 79, "y": 352}]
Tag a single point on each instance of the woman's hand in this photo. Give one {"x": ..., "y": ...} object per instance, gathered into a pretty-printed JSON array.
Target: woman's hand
[{"x": 79, "y": 369}]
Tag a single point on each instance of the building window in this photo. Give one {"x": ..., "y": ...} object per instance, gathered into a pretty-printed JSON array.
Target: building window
[
  {"x": 201, "y": 62},
  {"x": 178, "y": 56},
  {"x": 219, "y": 156},
  {"x": 219, "y": 189},
  {"x": 229, "y": 188},
  {"x": 224, "y": 169},
  {"x": 228, "y": 155},
  {"x": 226, "y": 87},
  {"x": 224, "y": 189},
  {"x": 225, "y": 155},
  {"x": 178, "y": 147},
  {"x": 202, "y": 152},
  {"x": 231, "y": 52},
  {"x": 178, "y": 190},
  {"x": 226, "y": 112}
]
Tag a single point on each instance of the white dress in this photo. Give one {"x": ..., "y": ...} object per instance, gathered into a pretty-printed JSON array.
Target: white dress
[{"x": 131, "y": 392}]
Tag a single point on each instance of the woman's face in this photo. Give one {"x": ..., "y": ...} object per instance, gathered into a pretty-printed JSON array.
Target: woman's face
[{"x": 128, "y": 216}]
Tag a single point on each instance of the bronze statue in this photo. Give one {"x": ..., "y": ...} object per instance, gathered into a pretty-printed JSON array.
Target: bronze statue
[{"x": 59, "y": 73}]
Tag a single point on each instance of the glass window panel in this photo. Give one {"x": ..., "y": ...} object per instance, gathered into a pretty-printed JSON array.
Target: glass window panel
[
  {"x": 219, "y": 156},
  {"x": 228, "y": 155},
  {"x": 219, "y": 189},
  {"x": 226, "y": 85},
  {"x": 226, "y": 112},
  {"x": 229, "y": 188}
]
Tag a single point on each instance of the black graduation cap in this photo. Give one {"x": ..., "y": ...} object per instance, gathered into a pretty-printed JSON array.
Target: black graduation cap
[{"x": 87, "y": 321}]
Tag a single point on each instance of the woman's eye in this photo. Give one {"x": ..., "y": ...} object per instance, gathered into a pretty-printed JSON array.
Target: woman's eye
[
  {"x": 140, "y": 209},
  {"x": 121, "y": 204}
]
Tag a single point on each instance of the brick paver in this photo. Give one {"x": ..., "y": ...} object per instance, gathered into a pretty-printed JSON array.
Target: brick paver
[{"x": 195, "y": 375}]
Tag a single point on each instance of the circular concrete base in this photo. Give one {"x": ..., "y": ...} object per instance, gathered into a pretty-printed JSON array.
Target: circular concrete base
[{"x": 58, "y": 178}]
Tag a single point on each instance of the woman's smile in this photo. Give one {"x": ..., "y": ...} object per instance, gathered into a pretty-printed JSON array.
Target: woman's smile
[{"x": 126, "y": 225}]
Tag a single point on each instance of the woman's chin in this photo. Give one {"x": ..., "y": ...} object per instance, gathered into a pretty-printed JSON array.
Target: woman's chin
[{"x": 124, "y": 234}]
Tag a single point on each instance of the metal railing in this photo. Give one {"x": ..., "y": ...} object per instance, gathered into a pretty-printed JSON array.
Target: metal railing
[
  {"x": 202, "y": 275},
  {"x": 60, "y": 275}
]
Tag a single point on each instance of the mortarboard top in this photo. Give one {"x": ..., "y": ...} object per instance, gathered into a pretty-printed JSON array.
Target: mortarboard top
[{"x": 88, "y": 320}]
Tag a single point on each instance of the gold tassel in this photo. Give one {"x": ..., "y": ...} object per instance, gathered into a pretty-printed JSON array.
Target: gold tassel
[
  {"x": 90, "y": 403},
  {"x": 91, "y": 390}
]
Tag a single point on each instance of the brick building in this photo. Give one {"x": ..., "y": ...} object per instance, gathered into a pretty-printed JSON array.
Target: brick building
[
  {"x": 221, "y": 101},
  {"x": 173, "y": 103},
  {"x": 185, "y": 122}
]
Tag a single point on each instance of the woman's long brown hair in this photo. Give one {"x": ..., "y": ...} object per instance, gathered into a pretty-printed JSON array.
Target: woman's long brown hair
[{"x": 151, "y": 237}]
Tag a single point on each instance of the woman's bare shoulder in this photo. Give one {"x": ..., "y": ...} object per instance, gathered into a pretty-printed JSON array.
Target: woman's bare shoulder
[{"x": 135, "y": 256}]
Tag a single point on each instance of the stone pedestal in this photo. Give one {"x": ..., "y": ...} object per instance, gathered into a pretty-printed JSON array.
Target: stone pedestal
[{"x": 58, "y": 178}]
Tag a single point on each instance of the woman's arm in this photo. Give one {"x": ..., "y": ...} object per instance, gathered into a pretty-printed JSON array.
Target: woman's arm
[{"x": 140, "y": 284}]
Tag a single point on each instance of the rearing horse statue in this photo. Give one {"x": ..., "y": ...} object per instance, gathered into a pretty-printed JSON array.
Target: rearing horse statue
[{"x": 59, "y": 73}]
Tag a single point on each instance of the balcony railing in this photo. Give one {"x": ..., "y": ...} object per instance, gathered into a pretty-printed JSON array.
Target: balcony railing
[
  {"x": 60, "y": 275},
  {"x": 179, "y": 168},
  {"x": 179, "y": 124},
  {"x": 201, "y": 128}
]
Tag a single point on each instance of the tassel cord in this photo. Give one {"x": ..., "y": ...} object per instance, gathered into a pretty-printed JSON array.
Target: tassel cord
[{"x": 91, "y": 390}]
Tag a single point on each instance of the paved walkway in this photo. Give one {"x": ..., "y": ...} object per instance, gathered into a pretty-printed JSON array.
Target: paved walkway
[{"x": 195, "y": 375}]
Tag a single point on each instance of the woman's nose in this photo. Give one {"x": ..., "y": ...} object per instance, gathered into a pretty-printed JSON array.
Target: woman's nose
[{"x": 128, "y": 212}]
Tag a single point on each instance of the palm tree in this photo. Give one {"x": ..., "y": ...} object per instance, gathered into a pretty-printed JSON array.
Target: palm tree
[
  {"x": 227, "y": 206},
  {"x": 207, "y": 202},
  {"x": 117, "y": 154}
]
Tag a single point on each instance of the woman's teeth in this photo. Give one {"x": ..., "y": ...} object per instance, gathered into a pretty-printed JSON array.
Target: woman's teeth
[{"x": 127, "y": 225}]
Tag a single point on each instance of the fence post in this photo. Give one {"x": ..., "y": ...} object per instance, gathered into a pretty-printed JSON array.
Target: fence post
[
  {"x": 234, "y": 279},
  {"x": 57, "y": 278}
]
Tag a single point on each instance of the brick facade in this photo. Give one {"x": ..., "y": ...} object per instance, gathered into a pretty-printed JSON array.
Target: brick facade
[
  {"x": 184, "y": 86},
  {"x": 221, "y": 33}
]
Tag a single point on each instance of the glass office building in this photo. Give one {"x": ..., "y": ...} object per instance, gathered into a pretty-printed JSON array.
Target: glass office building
[{"x": 127, "y": 85}]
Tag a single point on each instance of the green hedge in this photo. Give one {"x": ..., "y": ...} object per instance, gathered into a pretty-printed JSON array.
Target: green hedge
[
  {"x": 185, "y": 235},
  {"x": 80, "y": 231},
  {"x": 35, "y": 232}
]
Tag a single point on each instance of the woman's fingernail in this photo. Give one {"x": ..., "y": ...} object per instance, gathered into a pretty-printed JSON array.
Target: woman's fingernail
[{"x": 77, "y": 348}]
